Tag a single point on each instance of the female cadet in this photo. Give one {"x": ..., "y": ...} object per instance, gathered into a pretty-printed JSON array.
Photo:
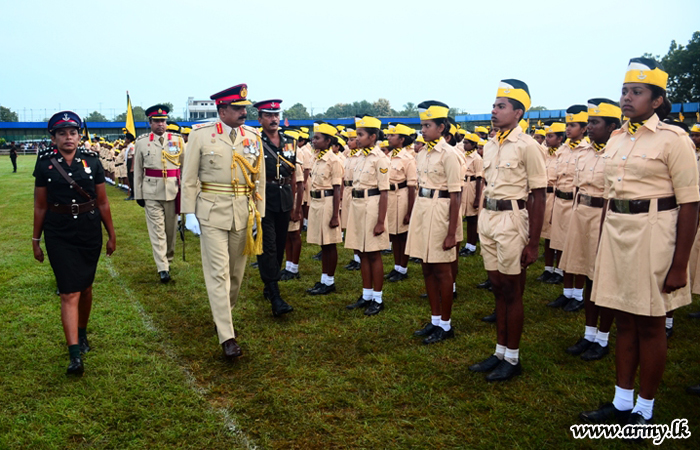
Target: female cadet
[
  {"x": 554, "y": 138},
  {"x": 402, "y": 195},
  {"x": 471, "y": 194},
  {"x": 576, "y": 122},
  {"x": 366, "y": 232},
  {"x": 349, "y": 165},
  {"x": 70, "y": 204},
  {"x": 433, "y": 227},
  {"x": 293, "y": 244},
  {"x": 651, "y": 184},
  {"x": 581, "y": 244},
  {"x": 324, "y": 205}
]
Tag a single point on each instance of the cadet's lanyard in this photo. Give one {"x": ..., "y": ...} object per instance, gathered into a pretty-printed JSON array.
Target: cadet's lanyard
[
  {"x": 431, "y": 144},
  {"x": 501, "y": 136},
  {"x": 598, "y": 147},
  {"x": 552, "y": 150},
  {"x": 322, "y": 153},
  {"x": 574, "y": 144},
  {"x": 367, "y": 150},
  {"x": 633, "y": 127}
]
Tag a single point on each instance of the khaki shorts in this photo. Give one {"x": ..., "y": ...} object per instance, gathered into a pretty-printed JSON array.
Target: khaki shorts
[{"x": 503, "y": 236}]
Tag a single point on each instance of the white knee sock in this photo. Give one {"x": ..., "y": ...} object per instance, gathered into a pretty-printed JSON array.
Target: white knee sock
[
  {"x": 669, "y": 323},
  {"x": 401, "y": 270},
  {"x": 590, "y": 333},
  {"x": 356, "y": 258},
  {"x": 294, "y": 268},
  {"x": 324, "y": 278},
  {"x": 435, "y": 320},
  {"x": 644, "y": 407},
  {"x": 330, "y": 280},
  {"x": 454, "y": 287}
]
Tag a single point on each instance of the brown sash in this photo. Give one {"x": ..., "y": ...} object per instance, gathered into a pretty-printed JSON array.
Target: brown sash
[{"x": 70, "y": 181}]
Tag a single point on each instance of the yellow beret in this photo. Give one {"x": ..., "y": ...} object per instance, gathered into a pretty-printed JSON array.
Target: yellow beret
[
  {"x": 304, "y": 129},
  {"x": 303, "y": 135},
  {"x": 603, "y": 107},
  {"x": 523, "y": 125},
  {"x": 541, "y": 132},
  {"x": 462, "y": 131},
  {"x": 453, "y": 130},
  {"x": 400, "y": 128},
  {"x": 557, "y": 127},
  {"x": 340, "y": 127},
  {"x": 434, "y": 112},
  {"x": 292, "y": 134},
  {"x": 351, "y": 133},
  {"x": 420, "y": 139},
  {"x": 384, "y": 144},
  {"x": 481, "y": 130},
  {"x": 325, "y": 128},
  {"x": 482, "y": 142},
  {"x": 341, "y": 142},
  {"x": 647, "y": 71},
  {"x": 368, "y": 122},
  {"x": 515, "y": 89},
  {"x": 472, "y": 137},
  {"x": 185, "y": 130}
]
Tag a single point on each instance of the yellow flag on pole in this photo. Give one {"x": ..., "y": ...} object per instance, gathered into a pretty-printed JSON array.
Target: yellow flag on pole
[{"x": 130, "y": 126}]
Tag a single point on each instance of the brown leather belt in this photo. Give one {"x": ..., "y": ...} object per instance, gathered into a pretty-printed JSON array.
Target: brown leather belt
[
  {"x": 396, "y": 187},
  {"x": 321, "y": 194},
  {"x": 501, "y": 205},
  {"x": 550, "y": 189},
  {"x": 360, "y": 193},
  {"x": 564, "y": 195},
  {"x": 641, "y": 206},
  {"x": 73, "y": 208},
  {"x": 593, "y": 202},
  {"x": 347, "y": 183},
  {"x": 281, "y": 181},
  {"x": 429, "y": 193}
]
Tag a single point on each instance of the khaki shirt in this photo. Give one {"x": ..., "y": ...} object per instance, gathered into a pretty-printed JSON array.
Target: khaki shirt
[
  {"x": 566, "y": 165},
  {"x": 439, "y": 168},
  {"x": 475, "y": 164},
  {"x": 590, "y": 172},
  {"x": 658, "y": 161},
  {"x": 308, "y": 156},
  {"x": 209, "y": 159},
  {"x": 149, "y": 154},
  {"x": 514, "y": 168},
  {"x": 325, "y": 172},
  {"x": 550, "y": 164},
  {"x": 371, "y": 171},
  {"x": 349, "y": 166},
  {"x": 403, "y": 168}
]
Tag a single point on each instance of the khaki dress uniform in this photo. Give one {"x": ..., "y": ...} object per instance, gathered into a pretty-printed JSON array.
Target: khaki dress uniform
[
  {"x": 636, "y": 250},
  {"x": 512, "y": 169},
  {"x": 551, "y": 168},
  {"x": 402, "y": 177},
  {"x": 348, "y": 176},
  {"x": 110, "y": 159},
  {"x": 326, "y": 173},
  {"x": 370, "y": 177},
  {"x": 224, "y": 204},
  {"x": 157, "y": 181},
  {"x": 564, "y": 192},
  {"x": 298, "y": 178},
  {"x": 120, "y": 164},
  {"x": 695, "y": 254},
  {"x": 306, "y": 154},
  {"x": 475, "y": 169},
  {"x": 439, "y": 174},
  {"x": 584, "y": 228},
  {"x": 459, "y": 150}
]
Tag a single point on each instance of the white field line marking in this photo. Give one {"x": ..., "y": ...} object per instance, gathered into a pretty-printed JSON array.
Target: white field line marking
[{"x": 229, "y": 422}]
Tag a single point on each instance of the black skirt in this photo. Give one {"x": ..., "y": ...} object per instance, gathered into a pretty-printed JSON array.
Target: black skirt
[{"x": 73, "y": 247}]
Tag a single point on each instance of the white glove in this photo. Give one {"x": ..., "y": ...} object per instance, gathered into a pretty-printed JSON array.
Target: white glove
[{"x": 192, "y": 224}]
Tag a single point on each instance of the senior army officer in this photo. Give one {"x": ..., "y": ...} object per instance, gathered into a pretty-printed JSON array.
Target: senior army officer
[{"x": 226, "y": 157}]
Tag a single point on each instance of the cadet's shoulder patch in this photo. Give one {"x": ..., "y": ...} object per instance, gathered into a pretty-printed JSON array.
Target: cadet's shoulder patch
[{"x": 383, "y": 170}]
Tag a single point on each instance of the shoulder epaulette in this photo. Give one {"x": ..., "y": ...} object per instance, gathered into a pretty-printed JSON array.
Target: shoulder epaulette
[
  {"x": 48, "y": 154},
  {"x": 87, "y": 152},
  {"x": 143, "y": 136},
  {"x": 198, "y": 126},
  {"x": 678, "y": 130},
  {"x": 251, "y": 129}
]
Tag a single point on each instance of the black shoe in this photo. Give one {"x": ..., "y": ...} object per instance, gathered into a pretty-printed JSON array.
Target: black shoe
[
  {"x": 573, "y": 305},
  {"x": 504, "y": 371},
  {"x": 374, "y": 308},
  {"x": 390, "y": 274},
  {"x": 439, "y": 334},
  {"x": 545, "y": 276},
  {"x": 484, "y": 285},
  {"x": 559, "y": 302},
  {"x": 579, "y": 347},
  {"x": 604, "y": 414},
  {"x": 454, "y": 295},
  {"x": 398, "y": 276},
  {"x": 164, "y": 276},
  {"x": 317, "y": 256},
  {"x": 695, "y": 315},
  {"x": 129, "y": 198},
  {"x": 323, "y": 289},
  {"x": 669, "y": 332},
  {"x": 416, "y": 260},
  {"x": 386, "y": 251},
  {"x": 427, "y": 330},
  {"x": 84, "y": 345},
  {"x": 486, "y": 365},
  {"x": 279, "y": 306},
  {"x": 286, "y": 275},
  {"x": 695, "y": 390},
  {"x": 491, "y": 318},
  {"x": 315, "y": 287},
  {"x": 555, "y": 279},
  {"x": 75, "y": 367},
  {"x": 352, "y": 265},
  {"x": 304, "y": 228},
  {"x": 360, "y": 303},
  {"x": 254, "y": 265},
  {"x": 637, "y": 419},
  {"x": 424, "y": 295},
  {"x": 466, "y": 252},
  {"x": 595, "y": 352}
]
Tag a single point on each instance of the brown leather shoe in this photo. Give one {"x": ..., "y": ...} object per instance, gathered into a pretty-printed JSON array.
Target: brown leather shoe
[{"x": 231, "y": 349}]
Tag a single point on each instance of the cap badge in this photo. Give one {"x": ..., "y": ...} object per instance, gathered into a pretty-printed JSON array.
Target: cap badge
[
  {"x": 244, "y": 92},
  {"x": 507, "y": 91},
  {"x": 274, "y": 105},
  {"x": 641, "y": 75},
  {"x": 65, "y": 117},
  {"x": 160, "y": 111},
  {"x": 596, "y": 111},
  {"x": 570, "y": 116}
]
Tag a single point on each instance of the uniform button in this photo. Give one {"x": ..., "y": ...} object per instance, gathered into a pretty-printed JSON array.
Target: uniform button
[
  {"x": 632, "y": 138},
  {"x": 619, "y": 179},
  {"x": 624, "y": 158},
  {"x": 70, "y": 174},
  {"x": 644, "y": 156},
  {"x": 49, "y": 180},
  {"x": 73, "y": 200}
]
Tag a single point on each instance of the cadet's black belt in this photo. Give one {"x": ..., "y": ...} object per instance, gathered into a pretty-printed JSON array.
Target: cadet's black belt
[
  {"x": 120, "y": 164},
  {"x": 321, "y": 194},
  {"x": 396, "y": 187},
  {"x": 281, "y": 181},
  {"x": 347, "y": 183},
  {"x": 73, "y": 208},
  {"x": 564, "y": 195},
  {"x": 550, "y": 189},
  {"x": 470, "y": 178},
  {"x": 428, "y": 193},
  {"x": 502, "y": 205},
  {"x": 362, "y": 193},
  {"x": 641, "y": 206},
  {"x": 593, "y": 202}
]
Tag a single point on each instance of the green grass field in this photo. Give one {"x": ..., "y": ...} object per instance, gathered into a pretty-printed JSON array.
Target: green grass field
[{"x": 320, "y": 377}]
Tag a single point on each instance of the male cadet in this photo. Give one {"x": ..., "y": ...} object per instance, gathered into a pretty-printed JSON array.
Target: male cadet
[
  {"x": 280, "y": 190},
  {"x": 511, "y": 221},
  {"x": 226, "y": 157},
  {"x": 157, "y": 159}
]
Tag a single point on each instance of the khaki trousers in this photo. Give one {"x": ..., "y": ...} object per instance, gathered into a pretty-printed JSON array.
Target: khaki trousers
[
  {"x": 223, "y": 265},
  {"x": 161, "y": 221}
]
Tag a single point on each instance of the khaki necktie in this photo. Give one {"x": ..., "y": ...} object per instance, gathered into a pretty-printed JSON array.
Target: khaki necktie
[
  {"x": 161, "y": 139},
  {"x": 232, "y": 135}
]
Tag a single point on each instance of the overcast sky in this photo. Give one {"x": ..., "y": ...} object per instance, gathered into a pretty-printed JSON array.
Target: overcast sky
[{"x": 85, "y": 55}]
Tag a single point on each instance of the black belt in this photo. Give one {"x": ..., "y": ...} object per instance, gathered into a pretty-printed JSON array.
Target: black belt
[
  {"x": 73, "y": 208},
  {"x": 593, "y": 202},
  {"x": 361, "y": 193},
  {"x": 564, "y": 195},
  {"x": 321, "y": 194},
  {"x": 280, "y": 181},
  {"x": 396, "y": 187},
  {"x": 120, "y": 164},
  {"x": 428, "y": 193},
  {"x": 470, "y": 178},
  {"x": 550, "y": 189},
  {"x": 347, "y": 183},
  {"x": 501, "y": 205},
  {"x": 641, "y": 206}
]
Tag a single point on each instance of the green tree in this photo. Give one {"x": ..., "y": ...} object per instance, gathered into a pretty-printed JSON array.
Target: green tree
[
  {"x": 382, "y": 108},
  {"x": 252, "y": 111},
  {"x": 139, "y": 115},
  {"x": 538, "y": 108},
  {"x": 296, "y": 112},
  {"x": 683, "y": 66},
  {"x": 7, "y": 115},
  {"x": 95, "y": 117}
]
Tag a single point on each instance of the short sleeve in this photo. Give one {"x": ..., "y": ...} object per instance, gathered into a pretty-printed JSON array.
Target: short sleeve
[
  {"x": 382, "y": 173},
  {"x": 336, "y": 172},
  {"x": 453, "y": 170},
  {"x": 682, "y": 166},
  {"x": 534, "y": 166},
  {"x": 39, "y": 178},
  {"x": 411, "y": 173}
]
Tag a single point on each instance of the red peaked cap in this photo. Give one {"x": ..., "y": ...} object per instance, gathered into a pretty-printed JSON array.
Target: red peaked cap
[{"x": 235, "y": 95}]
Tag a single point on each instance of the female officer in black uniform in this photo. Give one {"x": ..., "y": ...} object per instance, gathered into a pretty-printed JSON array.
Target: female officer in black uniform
[{"x": 70, "y": 204}]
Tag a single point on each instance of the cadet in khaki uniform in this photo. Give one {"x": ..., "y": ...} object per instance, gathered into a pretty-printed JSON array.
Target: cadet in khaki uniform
[
  {"x": 571, "y": 300},
  {"x": 471, "y": 193},
  {"x": 581, "y": 244},
  {"x": 511, "y": 221},
  {"x": 292, "y": 247},
  {"x": 227, "y": 158},
  {"x": 695, "y": 252},
  {"x": 305, "y": 153},
  {"x": 432, "y": 232},
  {"x": 402, "y": 195},
  {"x": 641, "y": 271},
  {"x": 157, "y": 159},
  {"x": 324, "y": 208},
  {"x": 349, "y": 166},
  {"x": 540, "y": 136}
]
